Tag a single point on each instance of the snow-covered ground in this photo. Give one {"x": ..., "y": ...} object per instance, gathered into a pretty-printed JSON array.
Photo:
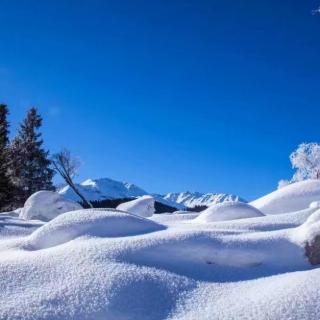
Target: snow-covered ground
[{"x": 111, "y": 264}]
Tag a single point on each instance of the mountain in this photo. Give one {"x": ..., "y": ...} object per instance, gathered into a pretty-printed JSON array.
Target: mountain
[
  {"x": 193, "y": 199},
  {"x": 105, "y": 188},
  {"x": 101, "y": 189}
]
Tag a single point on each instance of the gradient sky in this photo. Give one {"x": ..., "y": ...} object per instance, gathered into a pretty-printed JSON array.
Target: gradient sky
[{"x": 171, "y": 95}]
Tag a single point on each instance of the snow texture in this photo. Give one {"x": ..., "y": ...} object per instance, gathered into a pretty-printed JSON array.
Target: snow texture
[
  {"x": 46, "y": 205},
  {"x": 110, "y": 264}
]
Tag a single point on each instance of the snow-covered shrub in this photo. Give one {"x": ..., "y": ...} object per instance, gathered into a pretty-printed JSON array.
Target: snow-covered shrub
[
  {"x": 46, "y": 205},
  {"x": 143, "y": 206},
  {"x": 306, "y": 161},
  {"x": 230, "y": 210}
]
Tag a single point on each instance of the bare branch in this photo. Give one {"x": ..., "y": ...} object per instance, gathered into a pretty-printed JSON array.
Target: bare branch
[{"x": 68, "y": 166}]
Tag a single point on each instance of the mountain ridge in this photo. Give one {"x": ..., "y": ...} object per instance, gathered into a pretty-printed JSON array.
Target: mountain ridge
[{"x": 105, "y": 188}]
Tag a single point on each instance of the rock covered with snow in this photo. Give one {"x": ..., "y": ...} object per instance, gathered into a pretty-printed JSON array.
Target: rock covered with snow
[
  {"x": 90, "y": 222},
  {"x": 309, "y": 235},
  {"x": 46, "y": 205},
  {"x": 310, "y": 229},
  {"x": 143, "y": 206},
  {"x": 294, "y": 197},
  {"x": 230, "y": 210}
]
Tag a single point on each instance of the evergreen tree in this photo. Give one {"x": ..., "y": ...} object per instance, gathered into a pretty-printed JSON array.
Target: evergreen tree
[
  {"x": 6, "y": 188},
  {"x": 30, "y": 169}
]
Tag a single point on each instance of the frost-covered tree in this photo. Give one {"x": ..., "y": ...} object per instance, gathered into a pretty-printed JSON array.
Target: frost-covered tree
[
  {"x": 306, "y": 161},
  {"x": 283, "y": 183},
  {"x": 30, "y": 167},
  {"x": 6, "y": 187}
]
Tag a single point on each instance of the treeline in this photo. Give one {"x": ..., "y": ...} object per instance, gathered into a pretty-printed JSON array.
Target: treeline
[{"x": 25, "y": 166}]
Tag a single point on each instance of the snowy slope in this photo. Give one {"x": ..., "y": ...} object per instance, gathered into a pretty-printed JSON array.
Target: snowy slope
[
  {"x": 193, "y": 199},
  {"x": 105, "y": 188},
  {"x": 294, "y": 197}
]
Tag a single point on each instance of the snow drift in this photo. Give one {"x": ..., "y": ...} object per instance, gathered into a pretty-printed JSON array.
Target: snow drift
[
  {"x": 46, "y": 205},
  {"x": 294, "y": 197},
  {"x": 110, "y": 264},
  {"x": 90, "y": 222},
  {"x": 143, "y": 206},
  {"x": 228, "y": 211}
]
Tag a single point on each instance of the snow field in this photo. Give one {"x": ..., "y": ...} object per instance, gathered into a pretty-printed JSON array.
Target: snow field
[{"x": 110, "y": 264}]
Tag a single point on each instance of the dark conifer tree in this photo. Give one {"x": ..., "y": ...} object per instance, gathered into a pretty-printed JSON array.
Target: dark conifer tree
[
  {"x": 30, "y": 168},
  {"x": 6, "y": 188}
]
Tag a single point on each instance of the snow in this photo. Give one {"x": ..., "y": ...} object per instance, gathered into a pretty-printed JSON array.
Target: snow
[
  {"x": 294, "y": 197},
  {"x": 46, "y": 205},
  {"x": 105, "y": 188},
  {"x": 193, "y": 199},
  {"x": 111, "y": 264},
  {"x": 93, "y": 222},
  {"x": 230, "y": 210},
  {"x": 308, "y": 231},
  {"x": 143, "y": 206}
]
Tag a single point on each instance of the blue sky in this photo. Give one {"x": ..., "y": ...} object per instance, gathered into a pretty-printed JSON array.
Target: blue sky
[{"x": 170, "y": 95}]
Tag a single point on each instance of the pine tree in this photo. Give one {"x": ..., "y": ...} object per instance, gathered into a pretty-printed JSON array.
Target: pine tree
[
  {"x": 30, "y": 169},
  {"x": 6, "y": 188}
]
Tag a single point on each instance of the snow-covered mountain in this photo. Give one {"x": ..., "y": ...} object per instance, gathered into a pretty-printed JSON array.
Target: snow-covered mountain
[
  {"x": 193, "y": 199},
  {"x": 105, "y": 188}
]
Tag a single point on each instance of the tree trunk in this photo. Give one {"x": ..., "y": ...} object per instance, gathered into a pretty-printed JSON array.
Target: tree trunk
[{"x": 84, "y": 200}]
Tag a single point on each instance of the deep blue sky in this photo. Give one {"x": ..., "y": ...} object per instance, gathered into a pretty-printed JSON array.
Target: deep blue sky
[{"x": 170, "y": 95}]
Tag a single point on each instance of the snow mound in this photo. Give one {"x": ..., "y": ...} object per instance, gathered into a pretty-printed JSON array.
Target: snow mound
[
  {"x": 90, "y": 222},
  {"x": 46, "y": 205},
  {"x": 231, "y": 210},
  {"x": 294, "y": 197},
  {"x": 143, "y": 206},
  {"x": 314, "y": 205}
]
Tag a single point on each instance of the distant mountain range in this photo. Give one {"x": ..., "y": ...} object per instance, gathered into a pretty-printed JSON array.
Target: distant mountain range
[{"x": 105, "y": 188}]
